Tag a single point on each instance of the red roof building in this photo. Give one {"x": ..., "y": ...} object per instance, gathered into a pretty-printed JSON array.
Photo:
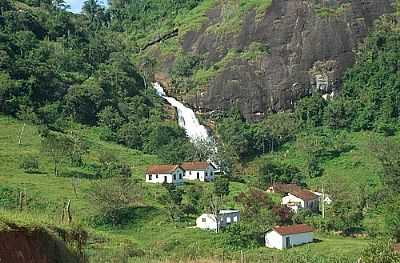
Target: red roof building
[
  {"x": 161, "y": 169},
  {"x": 294, "y": 229}
]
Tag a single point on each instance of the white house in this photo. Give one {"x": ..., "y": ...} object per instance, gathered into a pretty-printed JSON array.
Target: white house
[
  {"x": 281, "y": 237},
  {"x": 226, "y": 217},
  {"x": 165, "y": 173},
  {"x": 202, "y": 171},
  {"x": 301, "y": 199}
]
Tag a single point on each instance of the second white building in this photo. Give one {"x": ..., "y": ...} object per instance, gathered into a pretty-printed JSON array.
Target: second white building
[
  {"x": 226, "y": 217},
  {"x": 202, "y": 171}
]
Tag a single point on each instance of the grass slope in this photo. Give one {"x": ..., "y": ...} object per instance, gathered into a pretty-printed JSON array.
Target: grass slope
[{"x": 148, "y": 229}]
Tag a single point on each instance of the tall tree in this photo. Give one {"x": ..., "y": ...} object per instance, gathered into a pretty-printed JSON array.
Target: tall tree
[{"x": 56, "y": 147}]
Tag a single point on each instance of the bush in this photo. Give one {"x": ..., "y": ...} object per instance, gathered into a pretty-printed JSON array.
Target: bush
[{"x": 30, "y": 164}]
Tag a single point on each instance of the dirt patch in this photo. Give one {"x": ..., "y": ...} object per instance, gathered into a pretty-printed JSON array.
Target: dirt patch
[{"x": 33, "y": 246}]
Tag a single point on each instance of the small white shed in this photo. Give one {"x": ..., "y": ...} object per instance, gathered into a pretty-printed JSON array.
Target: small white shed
[
  {"x": 281, "y": 237},
  {"x": 226, "y": 217}
]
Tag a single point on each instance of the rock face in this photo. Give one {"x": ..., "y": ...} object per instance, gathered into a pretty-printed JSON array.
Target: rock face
[{"x": 307, "y": 48}]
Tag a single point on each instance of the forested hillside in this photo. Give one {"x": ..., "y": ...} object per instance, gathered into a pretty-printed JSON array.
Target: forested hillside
[
  {"x": 80, "y": 123},
  {"x": 57, "y": 67}
]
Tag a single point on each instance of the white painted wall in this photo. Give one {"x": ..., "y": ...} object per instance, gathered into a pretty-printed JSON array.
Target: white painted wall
[
  {"x": 274, "y": 240},
  {"x": 160, "y": 178},
  {"x": 290, "y": 199},
  {"x": 192, "y": 174},
  {"x": 208, "y": 221}
]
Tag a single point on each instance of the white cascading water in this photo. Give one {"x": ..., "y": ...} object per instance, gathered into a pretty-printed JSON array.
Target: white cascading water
[{"x": 186, "y": 118}]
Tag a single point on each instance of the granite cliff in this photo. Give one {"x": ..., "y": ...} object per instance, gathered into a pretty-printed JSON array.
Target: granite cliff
[{"x": 265, "y": 60}]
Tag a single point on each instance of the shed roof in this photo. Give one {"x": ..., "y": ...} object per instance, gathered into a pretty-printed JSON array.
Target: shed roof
[
  {"x": 304, "y": 195},
  {"x": 294, "y": 229},
  {"x": 195, "y": 166},
  {"x": 162, "y": 168}
]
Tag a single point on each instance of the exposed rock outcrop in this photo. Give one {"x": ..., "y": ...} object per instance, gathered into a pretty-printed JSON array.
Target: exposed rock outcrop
[{"x": 306, "y": 48}]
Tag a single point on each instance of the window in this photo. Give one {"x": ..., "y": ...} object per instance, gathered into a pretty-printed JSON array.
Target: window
[
  {"x": 198, "y": 175},
  {"x": 235, "y": 219},
  {"x": 174, "y": 176},
  {"x": 156, "y": 176},
  {"x": 206, "y": 174},
  {"x": 180, "y": 176},
  {"x": 228, "y": 220},
  {"x": 150, "y": 177},
  {"x": 190, "y": 172},
  {"x": 204, "y": 220}
]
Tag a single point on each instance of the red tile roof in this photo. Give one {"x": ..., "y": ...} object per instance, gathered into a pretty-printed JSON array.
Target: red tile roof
[
  {"x": 162, "y": 169},
  {"x": 285, "y": 188},
  {"x": 194, "y": 166},
  {"x": 304, "y": 195},
  {"x": 396, "y": 247},
  {"x": 294, "y": 229}
]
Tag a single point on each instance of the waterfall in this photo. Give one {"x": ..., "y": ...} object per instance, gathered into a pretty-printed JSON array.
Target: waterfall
[{"x": 186, "y": 118}]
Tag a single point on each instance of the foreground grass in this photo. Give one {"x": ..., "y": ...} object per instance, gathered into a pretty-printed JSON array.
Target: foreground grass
[{"x": 148, "y": 236}]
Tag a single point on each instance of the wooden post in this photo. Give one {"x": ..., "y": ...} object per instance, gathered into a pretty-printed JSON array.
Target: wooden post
[
  {"x": 68, "y": 209},
  {"x": 63, "y": 213},
  {"x": 20, "y": 134},
  {"x": 323, "y": 202},
  {"x": 74, "y": 184},
  {"x": 21, "y": 196}
]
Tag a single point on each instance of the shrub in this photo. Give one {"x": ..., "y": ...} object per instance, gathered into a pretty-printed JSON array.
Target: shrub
[{"x": 30, "y": 164}]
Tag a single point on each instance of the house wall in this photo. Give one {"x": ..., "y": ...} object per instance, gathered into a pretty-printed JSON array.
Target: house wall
[
  {"x": 229, "y": 218},
  {"x": 159, "y": 178},
  {"x": 312, "y": 204},
  {"x": 274, "y": 240},
  {"x": 211, "y": 222},
  {"x": 292, "y": 199},
  {"x": 298, "y": 239},
  {"x": 192, "y": 174}
]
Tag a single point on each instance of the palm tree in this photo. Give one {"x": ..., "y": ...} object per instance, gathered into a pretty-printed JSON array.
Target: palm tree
[{"x": 93, "y": 10}]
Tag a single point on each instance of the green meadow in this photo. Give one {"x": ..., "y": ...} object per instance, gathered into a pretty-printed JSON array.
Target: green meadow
[{"x": 148, "y": 235}]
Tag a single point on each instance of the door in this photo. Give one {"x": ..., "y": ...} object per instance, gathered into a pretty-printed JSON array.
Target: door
[
  {"x": 165, "y": 179},
  {"x": 288, "y": 245}
]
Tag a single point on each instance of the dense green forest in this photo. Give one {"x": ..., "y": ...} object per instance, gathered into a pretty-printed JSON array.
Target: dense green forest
[
  {"x": 59, "y": 67},
  {"x": 75, "y": 90}
]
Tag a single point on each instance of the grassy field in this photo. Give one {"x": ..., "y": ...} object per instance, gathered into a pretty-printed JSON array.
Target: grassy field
[{"x": 149, "y": 234}]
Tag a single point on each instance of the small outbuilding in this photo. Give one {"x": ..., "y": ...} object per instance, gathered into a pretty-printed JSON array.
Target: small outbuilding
[
  {"x": 282, "y": 237},
  {"x": 201, "y": 171},
  {"x": 226, "y": 217},
  {"x": 165, "y": 173}
]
